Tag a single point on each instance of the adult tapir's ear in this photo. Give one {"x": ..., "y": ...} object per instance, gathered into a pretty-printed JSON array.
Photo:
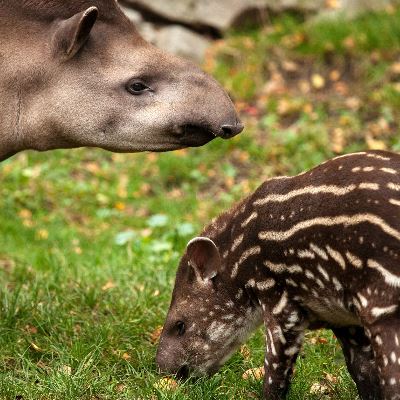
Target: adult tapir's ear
[
  {"x": 203, "y": 257},
  {"x": 71, "y": 34}
]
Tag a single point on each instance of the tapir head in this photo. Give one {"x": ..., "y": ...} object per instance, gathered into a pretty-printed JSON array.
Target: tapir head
[
  {"x": 206, "y": 321},
  {"x": 99, "y": 84}
]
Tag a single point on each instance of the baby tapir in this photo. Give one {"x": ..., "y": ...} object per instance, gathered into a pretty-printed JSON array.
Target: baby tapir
[{"x": 320, "y": 249}]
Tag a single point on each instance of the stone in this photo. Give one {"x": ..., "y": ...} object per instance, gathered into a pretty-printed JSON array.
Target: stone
[
  {"x": 219, "y": 15},
  {"x": 182, "y": 42}
]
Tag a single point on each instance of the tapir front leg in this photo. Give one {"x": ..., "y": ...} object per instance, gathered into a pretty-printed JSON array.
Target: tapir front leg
[
  {"x": 284, "y": 338},
  {"x": 360, "y": 361}
]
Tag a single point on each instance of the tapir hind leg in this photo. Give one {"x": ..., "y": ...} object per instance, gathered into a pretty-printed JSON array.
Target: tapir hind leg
[
  {"x": 385, "y": 340},
  {"x": 360, "y": 361}
]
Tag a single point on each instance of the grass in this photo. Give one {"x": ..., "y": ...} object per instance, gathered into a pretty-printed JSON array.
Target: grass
[{"x": 90, "y": 240}]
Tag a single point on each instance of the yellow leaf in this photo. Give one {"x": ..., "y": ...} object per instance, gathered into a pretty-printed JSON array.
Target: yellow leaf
[
  {"x": 109, "y": 285},
  {"x": 374, "y": 144},
  {"x": 155, "y": 335},
  {"x": 42, "y": 234},
  {"x": 36, "y": 347},
  {"x": 166, "y": 383},
  {"x": 254, "y": 373},
  {"x": 317, "y": 81}
]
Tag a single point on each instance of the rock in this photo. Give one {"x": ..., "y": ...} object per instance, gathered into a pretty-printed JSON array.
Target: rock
[
  {"x": 224, "y": 14},
  {"x": 219, "y": 15},
  {"x": 133, "y": 15},
  {"x": 175, "y": 39},
  {"x": 183, "y": 42}
]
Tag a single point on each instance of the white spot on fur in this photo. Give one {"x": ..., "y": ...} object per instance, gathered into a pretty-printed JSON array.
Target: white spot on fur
[
  {"x": 336, "y": 256},
  {"x": 253, "y": 215},
  {"x": 237, "y": 242},
  {"x": 379, "y": 311},
  {"x": 281, "y": 304},
  {"x": 337, "y": 284},
  {"x": 390, "y": 278},
  {"x": 354, "y": 260},
  {"x": 320, "y": 252}
]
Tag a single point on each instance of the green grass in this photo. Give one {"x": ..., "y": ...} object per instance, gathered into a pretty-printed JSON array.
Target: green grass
[{"x": 90, "y": 241}]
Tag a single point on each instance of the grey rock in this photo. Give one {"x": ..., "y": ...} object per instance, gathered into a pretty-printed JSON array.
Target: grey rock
[
  {"x": 183, "y": 42},
  {"x": 218, "y": 14},
  {"x": 133, "y": 15}
]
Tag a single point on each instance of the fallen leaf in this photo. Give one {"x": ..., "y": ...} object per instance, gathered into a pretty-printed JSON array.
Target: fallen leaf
[
  {"x": 42, "y": 234},
  {"x": 331, "y": 378},
  {"x": 66, "y": 369},
  {"x": 245, "y": 352},
  {"x": 374, "y": 144},
  {"x": 120, "y": 387},
  {"x": 332, "y": 4},
  {"x": 318, "y": 81},
  {"x": 36, "y": 347},
  {"x": 395, "y": 68},
  {"x": 334, "y": 75},
  {"x": 155, "y": 335},
  {"x": 109, "y": 285},
  {"x": 254, "y": 373},
  {"x": 31, "y": 329},
  {"x": 318, "y": 388},
  {"x": 166, "y": 383}
]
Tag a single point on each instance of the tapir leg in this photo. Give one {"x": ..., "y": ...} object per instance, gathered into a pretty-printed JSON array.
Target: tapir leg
[
  {"x": 360, "y": 361},
  {"x": 385, "y": 340},
  {"x": 284, "y": 338}
]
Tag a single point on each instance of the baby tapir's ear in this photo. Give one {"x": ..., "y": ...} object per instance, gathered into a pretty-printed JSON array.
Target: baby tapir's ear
[
  {"x": 203, "y": 257},
  {"x": 71, "y": 34}
]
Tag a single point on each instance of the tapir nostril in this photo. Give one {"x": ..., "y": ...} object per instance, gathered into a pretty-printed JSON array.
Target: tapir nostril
[{"x": 228, "y": 131}]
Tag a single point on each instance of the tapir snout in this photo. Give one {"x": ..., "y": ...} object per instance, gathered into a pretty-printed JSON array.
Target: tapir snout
[{"x": 77, "y": 73}]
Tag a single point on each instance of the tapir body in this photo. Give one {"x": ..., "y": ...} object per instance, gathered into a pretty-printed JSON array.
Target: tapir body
[
  {"x": 320, "y": 249},
  {"x": 77, "y": 73}
]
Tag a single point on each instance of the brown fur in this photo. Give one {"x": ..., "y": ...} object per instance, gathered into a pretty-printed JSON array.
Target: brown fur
[
  {"x": 320, "y": 249},
  {"x": 65, "y": 68}
]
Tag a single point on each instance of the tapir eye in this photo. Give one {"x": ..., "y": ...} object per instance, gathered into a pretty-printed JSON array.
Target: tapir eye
[
  {"x": 180, "y": 327},
  {"x": 136, "y": 87}
]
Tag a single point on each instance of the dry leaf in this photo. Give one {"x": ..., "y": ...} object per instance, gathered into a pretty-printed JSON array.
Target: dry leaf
[
  {"x": 155, "y": 335},
  {"x": 254, "y": 373},
  {"x": 245, "y": 352},
  {"x": 333, "y": 4},
  {"x": 120, "y": 387},
  {"x": 395, "y": 68},
  {"x": 334, "y": 75},
  {"x": 374, "y": 144},
  {"x": 318, "y": 388},
  {"x": 42, "y": 234},
  {"x": 66, "y": 369},
  {"x": 109, "y": 285},
  {"x": 36, "y": 347},
  {"x": 166, "y": 383},
  {"x": 331, "y": 378},
  {"x": 31, "y": 329},
  {"x": 317, "y": 81}
]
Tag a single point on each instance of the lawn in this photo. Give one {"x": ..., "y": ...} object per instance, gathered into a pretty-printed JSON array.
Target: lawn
[{"x": 90, "y": 240}]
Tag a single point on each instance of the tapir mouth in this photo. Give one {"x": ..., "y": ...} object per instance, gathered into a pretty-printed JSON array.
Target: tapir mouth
[{"x": 195, "y": 135}]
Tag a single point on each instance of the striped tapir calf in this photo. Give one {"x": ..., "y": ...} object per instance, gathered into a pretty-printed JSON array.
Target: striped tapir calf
[{"x": 320, "y": 249}]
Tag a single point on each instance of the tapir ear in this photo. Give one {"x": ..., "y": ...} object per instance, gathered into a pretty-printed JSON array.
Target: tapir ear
[
  {"x": 72, "y": 33},
  {"x": 203, "y": 257}
]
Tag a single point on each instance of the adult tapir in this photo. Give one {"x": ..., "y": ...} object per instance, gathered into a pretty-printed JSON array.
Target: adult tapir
[{"x": 77, "y": 73}]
